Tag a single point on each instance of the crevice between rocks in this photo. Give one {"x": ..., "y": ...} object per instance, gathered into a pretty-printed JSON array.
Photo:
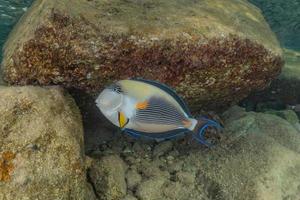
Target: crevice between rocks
[{"x": 89, "y": 180}]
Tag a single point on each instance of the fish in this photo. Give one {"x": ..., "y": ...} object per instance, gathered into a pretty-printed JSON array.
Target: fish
[{"x": 150, "y": 109}]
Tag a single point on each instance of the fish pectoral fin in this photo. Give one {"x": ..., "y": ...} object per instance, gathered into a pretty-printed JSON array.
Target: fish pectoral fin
[
  {"x": 142, "y": 105},
  {"x": 123, "y": 120}
]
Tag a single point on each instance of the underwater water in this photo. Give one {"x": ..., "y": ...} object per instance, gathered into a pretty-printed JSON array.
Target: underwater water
[
  {"x": 10, "y": 12},
  {"x": 284, "y": 19},
  {"x": 59, "y": 140}
]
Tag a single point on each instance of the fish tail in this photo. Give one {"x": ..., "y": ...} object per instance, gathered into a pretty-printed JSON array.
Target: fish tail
[{"x": 200, "y": 129}]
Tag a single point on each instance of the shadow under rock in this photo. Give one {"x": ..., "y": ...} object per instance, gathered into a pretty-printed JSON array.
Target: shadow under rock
[
  {"x": 282, "y": 94},
  {"x": 97, "y": 129}
]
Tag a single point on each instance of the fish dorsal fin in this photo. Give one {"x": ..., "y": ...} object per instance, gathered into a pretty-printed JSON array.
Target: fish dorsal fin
[{"x": 168, "y": 90}]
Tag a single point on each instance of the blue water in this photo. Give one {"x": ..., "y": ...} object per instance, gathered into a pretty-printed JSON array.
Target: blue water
[
  {"x": 284, "y": 19},
  {"x": 10, "y": 12}
]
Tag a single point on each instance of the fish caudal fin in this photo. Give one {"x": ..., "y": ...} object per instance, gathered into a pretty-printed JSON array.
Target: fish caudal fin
[{"x": 201, "y": 129}]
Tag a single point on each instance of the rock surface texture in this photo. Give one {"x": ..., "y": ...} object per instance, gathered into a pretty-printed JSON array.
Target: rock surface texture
[
  {"x": 258, "y": 159},
  {"x": 212, "y": 52},
  {"x": 41, "y": 146}
]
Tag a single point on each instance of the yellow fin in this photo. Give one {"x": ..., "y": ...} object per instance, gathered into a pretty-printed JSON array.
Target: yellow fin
[
  {"x": 142, "y": 105},
  {"x": 122, "y": 119}
]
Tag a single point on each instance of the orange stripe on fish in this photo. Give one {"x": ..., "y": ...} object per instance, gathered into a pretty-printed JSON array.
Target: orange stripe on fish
[
  {"x": 142, "y": 105},
  {"x": 187, "y": 123}
]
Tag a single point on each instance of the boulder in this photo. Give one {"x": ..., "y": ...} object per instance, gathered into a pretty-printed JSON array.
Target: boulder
[
  {"x": 41, "y": 145},
  {"x": 263, "y": 157},
  {"x": 212, "y": 52},
  {"x": 288, "y": 115}
]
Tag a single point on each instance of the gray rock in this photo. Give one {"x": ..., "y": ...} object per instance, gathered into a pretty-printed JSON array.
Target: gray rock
[
  {"x": 150, "y": 189},
  {"x": 186, "y": 178},
  {"x": 265, "y": 125},
  {"x": 133, "y": 178},
  {"x": 162, "y": 148},
  {"x": 129, "y": 197},
  {"x": 108, "y": 177},
  {"x": 41, "y": 146},
  {"x": 288, "y": 115},
  {"x": 176, "y": 190},
  {"x": 260, "y": 158},
  {"x": 150, "y": 169}
]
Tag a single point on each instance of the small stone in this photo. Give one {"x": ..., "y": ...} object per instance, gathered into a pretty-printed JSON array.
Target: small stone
[
  {"x": 127, "y": 150},
  {"x": 170, "y": 158},
  {"x": 138, "y": 149},
  {"x": 151, "y": 189},
  {"x": 185, "y": 177},
  {"x": 130, "y": 160},
  {"x": 129, "y": 197},
  {"x": 174, "y": 190},
  {"x": 176, "y": 166},
  {"x": 150, "y": 170},
  {"x": 162, "y": 148},
  {"x": 148, "y": 148},
  {"x": 170, "y": 162},
  {"x": 108, "y": 177},
  {"x": 133, "y": 178},
  {"x": 174, "y": 153},
  {"x": 288, "y": 115}
]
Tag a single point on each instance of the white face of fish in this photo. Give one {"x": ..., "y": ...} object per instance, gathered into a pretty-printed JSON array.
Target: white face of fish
[{"x": 109, "y": 103}]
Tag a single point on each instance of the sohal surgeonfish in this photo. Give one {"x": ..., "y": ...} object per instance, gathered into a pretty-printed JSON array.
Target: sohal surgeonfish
[{"x": 145, "y": 108}]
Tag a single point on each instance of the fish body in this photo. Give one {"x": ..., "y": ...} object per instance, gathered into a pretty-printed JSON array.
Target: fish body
[{"x": 147, "y": 108}]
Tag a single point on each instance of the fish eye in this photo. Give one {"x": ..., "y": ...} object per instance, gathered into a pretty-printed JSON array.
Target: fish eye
[{"x": 116, "y": 88}]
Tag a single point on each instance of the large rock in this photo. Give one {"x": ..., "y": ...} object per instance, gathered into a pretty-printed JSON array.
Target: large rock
[
  {"x": 212, "y": 52},
  {"x": 267, "y": 157},
  {"x": 41, "y": 146}
]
